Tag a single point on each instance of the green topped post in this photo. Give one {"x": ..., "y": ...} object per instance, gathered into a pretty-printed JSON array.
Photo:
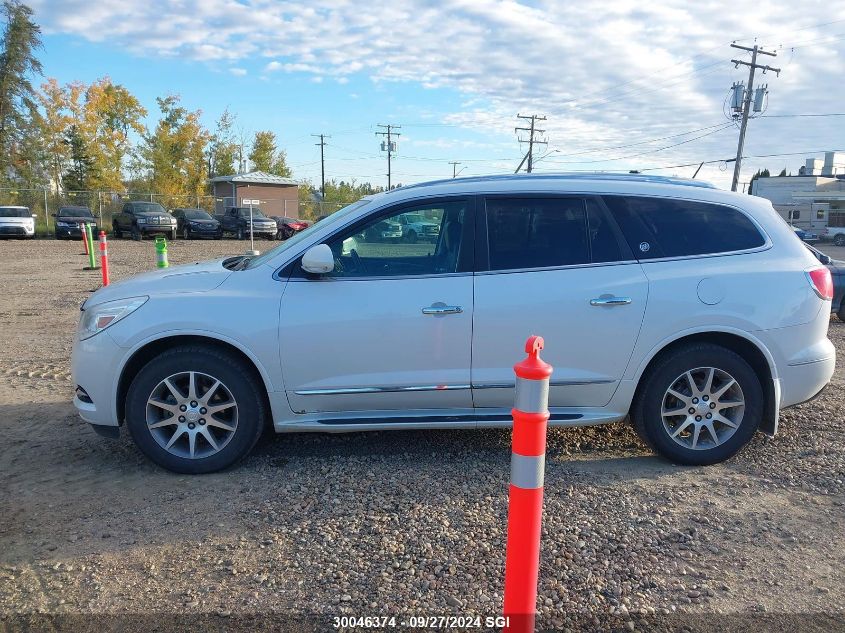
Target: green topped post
[
  {"x": 89, "y": 238},
  {"x": 161, "y": 252}
]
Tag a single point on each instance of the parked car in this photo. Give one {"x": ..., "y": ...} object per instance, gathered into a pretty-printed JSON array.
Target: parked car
[
  {"x": 288, "y": 226},
  {"x": 388, "y": 230},
  {"x": 806, "y": 236},
  {"x": 693, "y": 311},
  {"x": 837, "y": 234},
  {"x": 416, "y": 227},
  {"x": 69, "y": 222},
  {"x": 140, "y": 219},
  {"x": 837, "y": 273},
  {"x": 235, "y": 220},
  {"x": 17, "y": 221},
  {"x": 191, "y": 223}
]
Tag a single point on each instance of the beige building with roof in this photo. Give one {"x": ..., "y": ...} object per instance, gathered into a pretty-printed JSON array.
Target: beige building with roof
[{"x": 278, "y": 195}]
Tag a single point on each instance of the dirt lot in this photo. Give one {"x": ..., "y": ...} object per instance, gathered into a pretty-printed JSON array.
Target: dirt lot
[{"x": 410, "y": 523}]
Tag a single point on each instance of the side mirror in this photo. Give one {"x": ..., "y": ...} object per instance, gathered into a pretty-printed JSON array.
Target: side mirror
[
  {"x": 318, "y": 260},
  {"x": 825, "y": 259},
  {"x": 54, "y": 214},
  {"x": 35, "y": 216}
]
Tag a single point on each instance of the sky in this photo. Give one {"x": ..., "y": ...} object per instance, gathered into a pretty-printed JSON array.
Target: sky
[{"x": 623, "y": 85}]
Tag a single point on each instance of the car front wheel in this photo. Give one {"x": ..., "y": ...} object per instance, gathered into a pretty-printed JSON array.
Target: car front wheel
[
  {"x": 195, "y": 409},
  {"x": 700, "y": 404},
  {"x": 839, "y": 239}
]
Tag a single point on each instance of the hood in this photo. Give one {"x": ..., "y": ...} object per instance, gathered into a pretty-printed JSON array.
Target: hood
[{"x": 198, "y": 277}]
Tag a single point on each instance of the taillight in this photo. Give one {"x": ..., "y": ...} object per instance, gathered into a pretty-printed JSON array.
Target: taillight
[{"x": 821, "y": 282}]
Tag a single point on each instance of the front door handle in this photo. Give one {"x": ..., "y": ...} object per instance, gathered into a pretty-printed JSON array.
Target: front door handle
[
  {"x": 440, "y": 308},
  {"x": 610, "y": 301}
]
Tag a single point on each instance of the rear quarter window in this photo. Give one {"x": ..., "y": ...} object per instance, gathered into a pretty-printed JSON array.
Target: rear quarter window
[{"x": 663, "y": 227}]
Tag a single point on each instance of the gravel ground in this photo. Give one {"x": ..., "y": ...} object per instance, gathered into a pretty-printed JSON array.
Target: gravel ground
[{"x": 399, "y": 523}]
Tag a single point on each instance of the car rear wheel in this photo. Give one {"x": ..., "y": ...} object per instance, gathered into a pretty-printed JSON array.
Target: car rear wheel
[
  {"x": 186, "y": 234},
  {"x": 195, "y": 410},
  {"x": 839, "y": 239},
  {"x": 700, "y": 404},
  {"x": 841, "y": 312}
]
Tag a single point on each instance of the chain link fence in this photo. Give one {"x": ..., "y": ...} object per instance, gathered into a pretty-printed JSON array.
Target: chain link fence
[{"x": 44, "y": 203}]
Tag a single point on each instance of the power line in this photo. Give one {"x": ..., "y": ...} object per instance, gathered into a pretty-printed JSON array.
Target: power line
[
  {"x": 746, "y": 106},
  {"x": 389, "y": 145}
]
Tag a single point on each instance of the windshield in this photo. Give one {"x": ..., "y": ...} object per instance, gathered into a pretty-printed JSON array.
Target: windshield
[
  {"x": 255, "y": 213},
  {"x": 292, "y": 242},
  {"x": 79, "y": 212},
  {"x": 197, "y": 215},
  {"x": 12, "y": 212},
  {"x": 148, "y": 207}
]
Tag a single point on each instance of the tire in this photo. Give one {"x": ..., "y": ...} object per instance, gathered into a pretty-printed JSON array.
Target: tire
[
  {"x": 243, "y": 424},
  {"x": 240, "y": 234},
  {"x": 669, "y": 372},
  {"x": 136, "y": 233},
  {"x": 839, "y": 239},
  {"x": 173, "y": 235},
  {"x": 412, "y": 237},
  {"x": 841, "y": 312},
  {"x": 186, "y": 234},
  {"x": 219, "y": 236},
  {"x": 116, "y": 230}
]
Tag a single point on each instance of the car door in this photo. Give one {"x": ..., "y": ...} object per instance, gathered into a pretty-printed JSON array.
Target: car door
[
  {"x": 559, "y": 267},
  {"x": 390, "y": 328},
  {"x": 124, "y": 218}
]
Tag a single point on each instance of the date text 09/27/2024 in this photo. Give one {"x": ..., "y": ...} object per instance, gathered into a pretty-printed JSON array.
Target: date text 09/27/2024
[{"x": 420, "y": 621}]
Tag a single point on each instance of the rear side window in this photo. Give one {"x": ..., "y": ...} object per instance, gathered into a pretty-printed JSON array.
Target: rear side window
[
  {"x": 536, "y": 232},
  {"x": 663, "y": 227}
]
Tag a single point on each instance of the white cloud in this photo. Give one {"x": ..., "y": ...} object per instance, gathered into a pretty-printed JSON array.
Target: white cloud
[
  {"x": 604, "y": 74},
  {"x": 238, "y": 72}
]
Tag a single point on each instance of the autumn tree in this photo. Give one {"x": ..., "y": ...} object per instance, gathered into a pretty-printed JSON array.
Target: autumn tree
[
  {"x": 265, "y": 156},
  {"x": 173, "y": 154},
  {"x": 18, "y": 112},
  {"x": 223, "y": 147},
  {"x": 109, "y": 116}
]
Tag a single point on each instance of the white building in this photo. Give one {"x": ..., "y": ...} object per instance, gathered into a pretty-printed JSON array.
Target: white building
[{"x": 815, "y": 198}]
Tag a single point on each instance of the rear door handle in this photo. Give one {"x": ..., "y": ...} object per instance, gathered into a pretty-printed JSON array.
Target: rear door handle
[
  {"x": 442, "y": 309},
  {"x": 610, "y": 301}
]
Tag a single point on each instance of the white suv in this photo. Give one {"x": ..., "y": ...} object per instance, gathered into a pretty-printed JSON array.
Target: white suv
[{"x": 694, "y": 311}]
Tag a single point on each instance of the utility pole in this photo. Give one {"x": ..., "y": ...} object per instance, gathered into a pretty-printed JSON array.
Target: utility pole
[
  {"x": 454, "y": 165},
  {"x": 389, "y": 145},
  {"x": 322, "y": 145},
  {"x": 746, "y": 106},
  {"x": 532, "y": 130}
]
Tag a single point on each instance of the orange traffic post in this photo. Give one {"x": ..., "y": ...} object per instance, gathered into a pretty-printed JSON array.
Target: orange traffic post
[
  {"x": 525, "y": 503},
  {"x": 104, "y": 257},
  {"x": 84, "y": 237}
]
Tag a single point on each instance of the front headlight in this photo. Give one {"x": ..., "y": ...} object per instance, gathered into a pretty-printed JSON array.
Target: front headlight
[
  {"x": 141, "y": 221},
  {"x": 97, "y": 318}
]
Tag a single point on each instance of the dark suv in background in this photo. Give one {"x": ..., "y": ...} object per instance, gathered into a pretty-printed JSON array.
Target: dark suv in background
[
  {"x": 69, "y": 221},
  {"x": 193, "y": 223},
  {"x": 144, "y": 218}
]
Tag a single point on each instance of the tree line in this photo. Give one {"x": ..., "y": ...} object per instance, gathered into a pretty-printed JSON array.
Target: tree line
[{"x": 92, "y": 137}]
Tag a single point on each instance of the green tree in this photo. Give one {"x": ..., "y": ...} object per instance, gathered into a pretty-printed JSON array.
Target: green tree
[
  {"x": 81, "y": 170},
  {"x": 266, "y": 157},
  {"x": 173, "y": 154},
  {"x": 18, "y": 112},
  {"x": 223, "y": 148},
  {"x": 764, "y": 173}
]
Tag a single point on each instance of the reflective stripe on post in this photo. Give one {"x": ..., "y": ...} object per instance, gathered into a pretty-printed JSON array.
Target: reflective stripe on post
[
  {"x": 525, "y": 499},
  {"x": 104, "y": 258}
]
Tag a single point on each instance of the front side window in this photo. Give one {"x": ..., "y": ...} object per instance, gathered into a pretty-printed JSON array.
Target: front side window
[
  {"x": 667, "y": 227},
  {"x": 382, "y": 247}
]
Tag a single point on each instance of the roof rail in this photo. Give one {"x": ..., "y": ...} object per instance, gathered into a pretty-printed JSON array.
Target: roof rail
[{"x": 570, "y": 176}]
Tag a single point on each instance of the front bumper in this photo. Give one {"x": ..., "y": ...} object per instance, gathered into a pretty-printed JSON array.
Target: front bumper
[
  {"x": 95, "y": 366},
  {"x": 17, "y": 229},
  {"x": 74, "y": 231},
  {"x": 149, "y": 229}
]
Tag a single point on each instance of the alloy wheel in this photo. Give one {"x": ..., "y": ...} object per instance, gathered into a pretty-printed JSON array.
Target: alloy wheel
[
  {"x": 703, "y": 408},
  {"x": 192, "y": 415}
]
